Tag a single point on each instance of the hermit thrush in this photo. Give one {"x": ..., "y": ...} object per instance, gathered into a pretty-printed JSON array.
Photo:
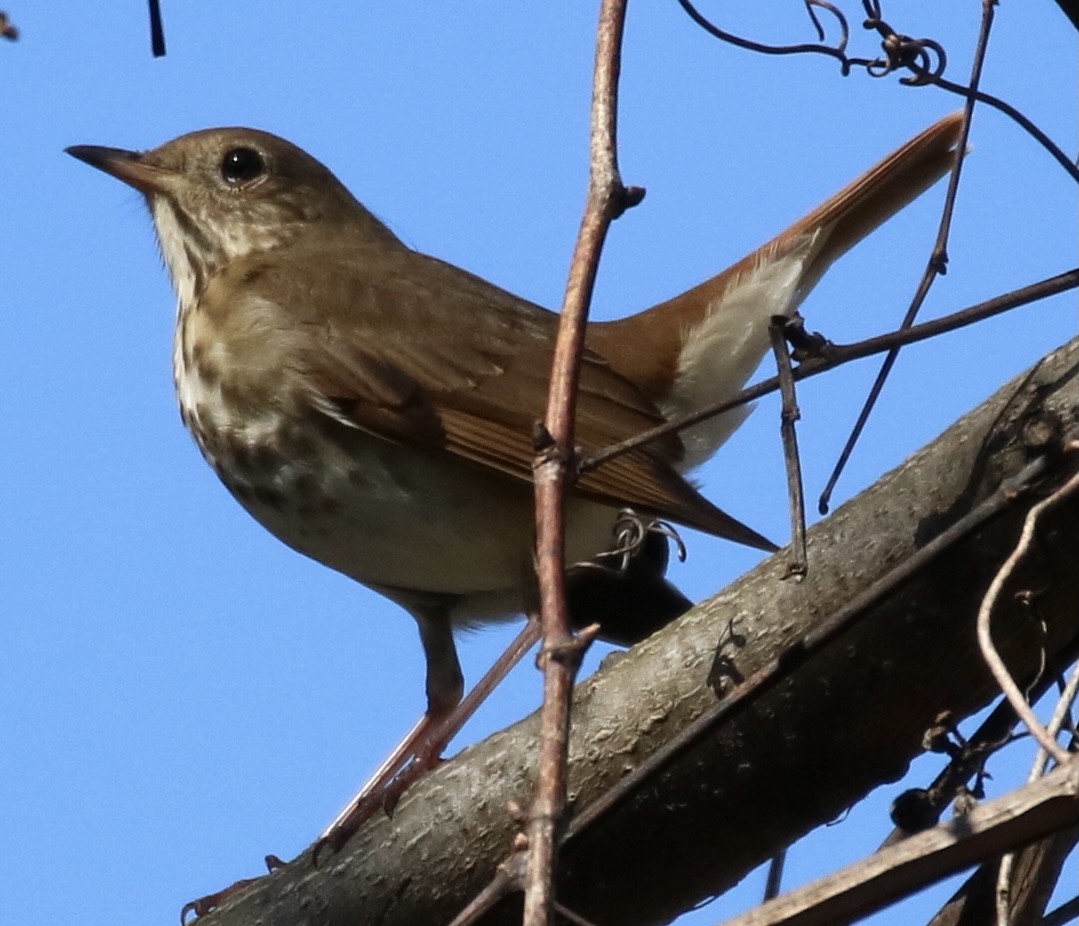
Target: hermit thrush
[{"x": 373, "y": 407}]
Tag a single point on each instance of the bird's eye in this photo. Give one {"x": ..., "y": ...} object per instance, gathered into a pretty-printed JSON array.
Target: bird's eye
[{"x": 242, "y": 165}]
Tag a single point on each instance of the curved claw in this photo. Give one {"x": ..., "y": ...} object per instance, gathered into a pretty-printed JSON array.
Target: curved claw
[
  {"x": 323, "y": 842},
  {"x": 203, "y": 905}
]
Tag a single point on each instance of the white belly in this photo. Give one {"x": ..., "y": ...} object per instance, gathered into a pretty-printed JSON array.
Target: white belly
[
  {"x": 392, "y": 516},
  {"x": 386, "y": 515}
]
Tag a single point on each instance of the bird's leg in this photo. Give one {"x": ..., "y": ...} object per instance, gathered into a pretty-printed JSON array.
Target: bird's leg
[
  {"x": 210, "y": 902},
  {"x": 429, "y": 753},
  {"x": 595, "y": 591},
  {"x": 421, "y": 749}
]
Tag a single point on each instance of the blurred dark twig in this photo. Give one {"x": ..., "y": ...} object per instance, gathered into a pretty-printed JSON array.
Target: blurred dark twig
[
  {"x": 157, "y": 31},
  {"x": 7, "y": 28},
  {"x": 924, "y": 58},
  {"x": 1070, "y": 8}
]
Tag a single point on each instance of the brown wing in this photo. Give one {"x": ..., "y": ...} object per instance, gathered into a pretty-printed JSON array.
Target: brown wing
[{"x": 478, "y": 394}]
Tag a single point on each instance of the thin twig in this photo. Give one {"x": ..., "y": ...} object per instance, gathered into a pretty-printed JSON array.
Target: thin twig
[
  {"x": 839, "y": 354},
  {"x": 575, "y": 918},
  {"x": 992, "y": 734},
  {"x": 936, "y": 265},
  {"x": 561, "y": 654},
  {"x": 1037, "y": 872},
  {"x": 504, "y": 881},
  {"x": 7, "y": 28},
  {"x": 1057, "y": 722},
  {"x": 904, "y": 53},
  {"x": 1063, "y": 914},
  {"x": 1070, "y": 8},
  {"x": 774, "y": 882},
  {"x": 798, "y": 565},
  {"x": 1004, "y": 904},
  {"x": 985, "y": 640},
  {"x": 1018, "y": 818},
  {"x": 1012, "y": 113},
  {"x": 157, "y": 30}
]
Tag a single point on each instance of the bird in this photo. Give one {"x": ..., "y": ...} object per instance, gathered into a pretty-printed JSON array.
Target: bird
[{"x": 373, "y": 407}]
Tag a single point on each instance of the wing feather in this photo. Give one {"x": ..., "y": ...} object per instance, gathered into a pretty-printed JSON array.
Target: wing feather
[{"x": 369, "y": 364}]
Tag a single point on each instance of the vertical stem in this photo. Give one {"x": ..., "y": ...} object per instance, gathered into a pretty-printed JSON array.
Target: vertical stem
[
  {"x": 799, "y": 562},
  {"x": 561, "y": 653}
]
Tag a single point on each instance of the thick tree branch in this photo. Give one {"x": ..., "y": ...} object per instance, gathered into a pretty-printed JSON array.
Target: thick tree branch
[{"x": 843, "y": 713}]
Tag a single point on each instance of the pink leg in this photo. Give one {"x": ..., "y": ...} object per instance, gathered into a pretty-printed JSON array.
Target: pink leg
[{"x": 421, "y": 749}]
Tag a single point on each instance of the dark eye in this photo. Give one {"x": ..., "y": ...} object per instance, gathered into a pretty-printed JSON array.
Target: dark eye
[{"x": 241, "y": 165}]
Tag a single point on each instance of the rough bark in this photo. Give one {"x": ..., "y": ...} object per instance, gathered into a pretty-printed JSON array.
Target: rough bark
[
  {"x": 985, "y": 831},
  {"x": 845, "y": 717},
  {"x": 1035, "y": 876}
]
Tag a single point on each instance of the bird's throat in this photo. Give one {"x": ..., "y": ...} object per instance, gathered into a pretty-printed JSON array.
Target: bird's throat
[{"x": 189, "y": 253}]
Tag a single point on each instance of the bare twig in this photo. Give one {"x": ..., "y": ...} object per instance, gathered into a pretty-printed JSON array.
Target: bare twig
[
  {"x": 506, "y": 879},
  {"x": 924, "y": 75},
  {"x": 561, "y": 654},
  {"x": 7, "y": 28},
  {"x": 1063, "y": 914},
  {"x": 937, "y": 264},
  {"x": 789, "y": 414},
  {"x": 924, "y": 58},
  {"x": 1017, "y": 818},
  {"x": 1070, "y": 8},
  {"x": 1057, "y": 721},
  {"x": 1036, "y": 875},
  {"x": 985, "y": 641},
  {"x": 838, "y": 354},
  {"x": 575, "y": 918},
  {"x": 992, "y": 734},
  {"x": 774, "y": 883},
  {"x": 157, "y": 30},
  {"x": 1012, "y": 113},
  {"x": 1004, "y": 903}
]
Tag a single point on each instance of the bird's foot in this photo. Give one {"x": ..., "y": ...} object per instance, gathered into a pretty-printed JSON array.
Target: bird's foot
[
  {"x": 204, "y": 905},
  {"x": 369, "y": 802}
]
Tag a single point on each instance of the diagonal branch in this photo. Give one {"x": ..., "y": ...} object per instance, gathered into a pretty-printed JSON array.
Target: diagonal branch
[
  {"x": 839, "y": 720},
  {"x": 935, "y": 266},
  {"x": 1029, "y": 813},
  {"x": 838, "y": 354},
  {"x": 7, "y": 28}
]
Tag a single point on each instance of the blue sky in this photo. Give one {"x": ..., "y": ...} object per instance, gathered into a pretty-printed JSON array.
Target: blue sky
[{"x": 179, "y": 693}]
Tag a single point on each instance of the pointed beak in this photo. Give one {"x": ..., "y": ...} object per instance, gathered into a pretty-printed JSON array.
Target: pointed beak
[{"x": 129, "y": 166}]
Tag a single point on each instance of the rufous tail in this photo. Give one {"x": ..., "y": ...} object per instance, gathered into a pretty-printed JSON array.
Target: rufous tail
[{"x": 647, "y": 347}]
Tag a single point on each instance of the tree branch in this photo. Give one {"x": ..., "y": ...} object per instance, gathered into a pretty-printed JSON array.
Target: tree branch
[
  {"x": 1018, "y": 818},
  {"x": 832, "y": 722},
  {"x": 561, "y": 653}
]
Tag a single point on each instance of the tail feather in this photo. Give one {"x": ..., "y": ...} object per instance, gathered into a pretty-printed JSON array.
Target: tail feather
[
  {"x": 860, "y": 208},
  {"x": 650, "y": 348}
]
